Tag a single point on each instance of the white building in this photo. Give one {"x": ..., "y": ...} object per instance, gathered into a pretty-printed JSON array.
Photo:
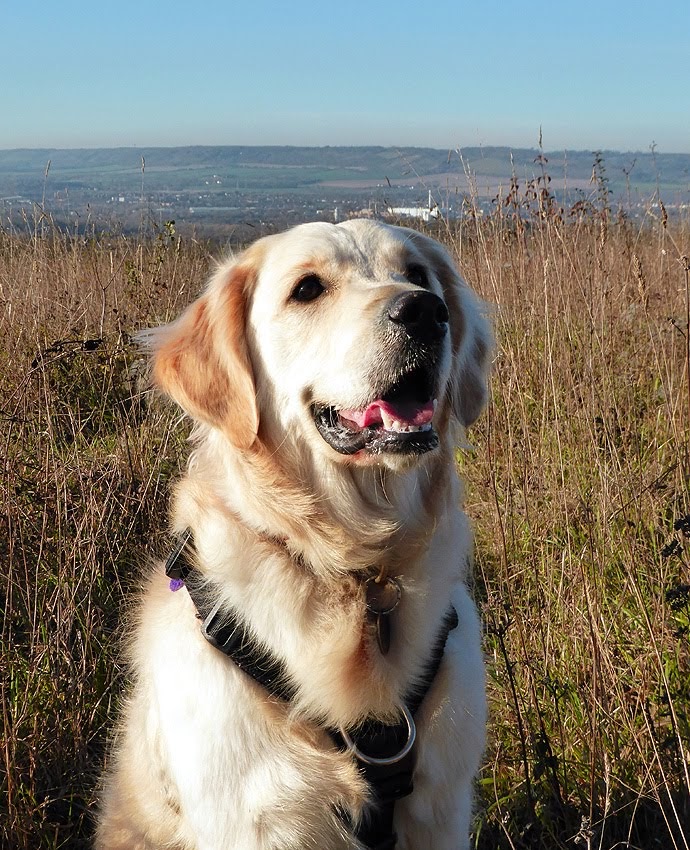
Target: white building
[{"x": 423, "y": 213}]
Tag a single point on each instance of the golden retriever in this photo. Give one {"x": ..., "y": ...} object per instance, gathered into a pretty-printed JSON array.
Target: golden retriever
[{"x": 330, "y": 371}]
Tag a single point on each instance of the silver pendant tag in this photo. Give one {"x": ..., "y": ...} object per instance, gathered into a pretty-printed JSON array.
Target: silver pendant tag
[
  {"x": 383, "y": 632},
  {"x": 382, "y": 598}
]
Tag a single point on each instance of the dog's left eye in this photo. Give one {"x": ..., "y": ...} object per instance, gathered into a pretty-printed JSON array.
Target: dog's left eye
[
  {"x": 417, "y": 275},
  {"x": 308, "y": 289}
]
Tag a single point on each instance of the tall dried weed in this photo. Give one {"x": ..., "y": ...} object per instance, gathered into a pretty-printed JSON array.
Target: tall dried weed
[
  {"x": 83, "y": 493},
  {"x": 579, "y": 492}
]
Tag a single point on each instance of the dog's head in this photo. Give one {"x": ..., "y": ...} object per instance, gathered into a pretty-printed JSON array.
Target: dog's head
[{"x": 359, "y": 340}]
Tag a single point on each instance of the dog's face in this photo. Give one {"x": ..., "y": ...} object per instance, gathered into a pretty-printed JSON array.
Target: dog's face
[{"x": 358, "y": 340}]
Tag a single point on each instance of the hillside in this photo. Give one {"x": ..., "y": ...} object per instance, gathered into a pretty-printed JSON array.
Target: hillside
[{"x": 283, "y": 185}]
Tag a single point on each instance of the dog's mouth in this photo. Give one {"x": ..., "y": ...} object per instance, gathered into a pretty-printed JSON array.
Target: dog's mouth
[{"x": 399, "y": 421}]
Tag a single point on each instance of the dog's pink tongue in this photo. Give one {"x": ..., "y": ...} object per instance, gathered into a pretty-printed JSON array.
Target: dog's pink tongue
[{"x": 385, "y": 412}]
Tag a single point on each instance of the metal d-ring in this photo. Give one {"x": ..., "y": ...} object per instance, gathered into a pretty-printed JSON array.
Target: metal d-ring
[{"x": 399, "y": 756}]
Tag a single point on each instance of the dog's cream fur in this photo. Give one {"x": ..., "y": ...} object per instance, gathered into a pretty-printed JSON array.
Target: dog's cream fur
[{"x": 283, "y": 528}]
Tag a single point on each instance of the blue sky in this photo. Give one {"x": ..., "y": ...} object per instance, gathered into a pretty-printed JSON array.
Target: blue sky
[{"x": 439, "y": 73}]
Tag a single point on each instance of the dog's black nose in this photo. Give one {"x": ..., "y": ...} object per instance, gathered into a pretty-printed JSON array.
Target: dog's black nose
[{"x": 423, "y": 315}]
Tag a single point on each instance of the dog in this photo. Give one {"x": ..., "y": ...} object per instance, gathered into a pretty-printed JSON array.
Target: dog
[{"x": 330, "y": 372}]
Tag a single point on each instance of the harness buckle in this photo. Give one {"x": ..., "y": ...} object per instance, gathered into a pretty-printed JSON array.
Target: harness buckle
[
  {"x": 177, "y": 567},
  {"x": 212, "y": 630},
  {"x": 387, "y": 760}
]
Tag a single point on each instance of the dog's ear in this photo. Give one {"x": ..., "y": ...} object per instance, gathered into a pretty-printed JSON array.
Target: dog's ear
[
  {"x": 472, "y": 361},
  {"x": 471, "y": 337},
  {"x": 202, "y": 362}
]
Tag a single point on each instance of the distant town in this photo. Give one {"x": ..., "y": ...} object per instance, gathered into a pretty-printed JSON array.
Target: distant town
[{"x": 235, "y": 193}]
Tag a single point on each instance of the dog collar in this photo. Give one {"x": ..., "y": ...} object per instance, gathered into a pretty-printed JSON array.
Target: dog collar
[{"x": 385, "y": 753}]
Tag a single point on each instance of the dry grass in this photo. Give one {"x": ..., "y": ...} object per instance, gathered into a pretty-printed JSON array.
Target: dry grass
[
  {"x": 579, "y": 492},
  {"x": 83, "y": 493},
  {"x": 578, "y": 488}
]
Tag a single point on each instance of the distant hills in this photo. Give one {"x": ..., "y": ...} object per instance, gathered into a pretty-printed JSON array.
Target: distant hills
[
  {"x": 294, "y": 167},
  {"x": 251, "y": 183}
]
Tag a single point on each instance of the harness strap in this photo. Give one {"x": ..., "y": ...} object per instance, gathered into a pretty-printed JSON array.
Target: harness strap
[
  {"x": 388, "y": 774},
  {"x": 394, "y": 781}
]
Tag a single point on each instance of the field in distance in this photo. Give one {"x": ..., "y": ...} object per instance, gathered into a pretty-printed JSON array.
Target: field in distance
[{"x": 254, "y": 185}]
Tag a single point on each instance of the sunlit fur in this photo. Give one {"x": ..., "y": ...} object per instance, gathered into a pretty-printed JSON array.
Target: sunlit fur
[{"x": 283, "y": 526}]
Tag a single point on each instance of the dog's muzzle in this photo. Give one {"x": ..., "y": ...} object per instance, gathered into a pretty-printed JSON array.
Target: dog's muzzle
[{"x": 399, "y": 418}]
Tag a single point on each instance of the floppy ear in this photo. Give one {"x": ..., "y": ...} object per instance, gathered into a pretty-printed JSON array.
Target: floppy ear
[
  {"x": 472, "y": 359},
  {"x": 471, "y": 337},
  {"x": 201, "y": 360}
]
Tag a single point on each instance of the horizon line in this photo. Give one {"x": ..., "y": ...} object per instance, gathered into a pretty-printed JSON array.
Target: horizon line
[{"x": 651, "y": 150}]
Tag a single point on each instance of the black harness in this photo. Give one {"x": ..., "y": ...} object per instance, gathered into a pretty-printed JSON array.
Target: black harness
[{"x": 385, "y": 753}]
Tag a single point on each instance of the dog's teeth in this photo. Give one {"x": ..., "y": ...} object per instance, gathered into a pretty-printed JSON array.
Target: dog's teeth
[
  {"x": 397, "y": 426},
  {"x": 387, "y": 420}
]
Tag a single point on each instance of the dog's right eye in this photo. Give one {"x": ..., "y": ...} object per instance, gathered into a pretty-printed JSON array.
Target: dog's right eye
[
  {"x": 417, "y": 275},
  {"x": 308, "y": 289}
]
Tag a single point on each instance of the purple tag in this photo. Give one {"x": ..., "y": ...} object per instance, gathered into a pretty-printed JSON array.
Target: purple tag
[{"x": 176, "y": 584}]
